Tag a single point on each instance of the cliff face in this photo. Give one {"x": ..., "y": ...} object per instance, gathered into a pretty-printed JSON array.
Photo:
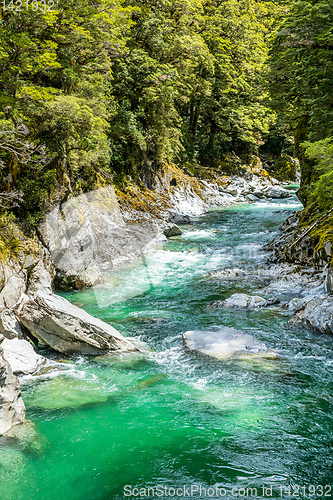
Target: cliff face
[
  {"x": 305, "y": 241},
  {"x": 87, "y": 235},
  {"x": 12, "y": 410}
]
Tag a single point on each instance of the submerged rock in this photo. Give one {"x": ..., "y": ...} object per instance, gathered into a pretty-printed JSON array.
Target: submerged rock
[
  {"x": 244, "y": 301},
  {"x": 27, "y": 438},
  {"x": 14, "y": 465},
  {"x": 316, "y": 314},
  {"x": 12, "y": 410},
  {"x": 67, "y": 328},
  {"x": 223, "y": 343},
  {"x": 70, "y": 393},
  {"x": 127, "y": 358},
  {"x": 152, "y": 380},
  {"x": 65, "y": 392},
  {"x": 22, "y": 357}
]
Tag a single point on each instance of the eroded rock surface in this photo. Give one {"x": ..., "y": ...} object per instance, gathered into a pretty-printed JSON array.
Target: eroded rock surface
[
  {"x": 316, "y": 314},
  {"x": 88, "y": 235},
  {"x": 11, "y": 292},
  {"x": 67, "y": 328},
  {"x": 9, "y": 326},
  {"x": 172, "y": 230},
  {"x": 292, "y": 280},
  {"x": 12, "y": 410},
  {"x": 21, "y": 356}
]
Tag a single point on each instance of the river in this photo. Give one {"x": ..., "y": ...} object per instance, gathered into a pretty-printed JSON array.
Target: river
[{"x": 175, "y": 419}]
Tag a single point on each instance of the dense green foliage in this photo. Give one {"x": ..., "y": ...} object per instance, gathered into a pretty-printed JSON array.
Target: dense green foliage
[
  {"x": 190, "y": 87},
  {"x": 55, "y": 67},
  {"x": 124, "y": 87},
  {"x": 300, "y": 76},
  {"x": 121, "y": 88}
]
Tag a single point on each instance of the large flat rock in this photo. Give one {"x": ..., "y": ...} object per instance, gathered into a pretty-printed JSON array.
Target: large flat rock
[
  {"x": 223, "y": 343},
  {"x": 67, "y": 328},
  {"x": 244, "y": 301}
]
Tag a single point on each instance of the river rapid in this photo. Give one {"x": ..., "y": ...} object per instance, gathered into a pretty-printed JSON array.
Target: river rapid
[{"x": 172, "y": 420}]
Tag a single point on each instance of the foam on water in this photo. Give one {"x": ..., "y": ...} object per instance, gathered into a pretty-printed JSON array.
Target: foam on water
[
  {"x": 198, "y": 234},
  {"x": 285, "y": 204}
]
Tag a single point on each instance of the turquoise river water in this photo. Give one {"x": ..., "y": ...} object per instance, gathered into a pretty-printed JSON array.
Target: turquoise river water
[{"x": 174, "y": 421}]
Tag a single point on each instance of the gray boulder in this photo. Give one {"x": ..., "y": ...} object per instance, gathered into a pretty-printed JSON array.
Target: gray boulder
[
  {"x": 21, "y": 356},
  {"x": 277, "y": 192},
  {"x": 258, "y": 194},
  {"x": 244, "y": 301},
  {"x": 252, "y": 197},
  {"x": 67, "y": 328},
  {"x": 223, "y": 343},
  {"x": 290, "y": 280},
  {"x": 172, "y": 230},
  {"x": 178, "y": 218},
  {"x": 317, "y": 314},
  {"x": 297, "y": 304},
  {"x": 12, "y": 410}
]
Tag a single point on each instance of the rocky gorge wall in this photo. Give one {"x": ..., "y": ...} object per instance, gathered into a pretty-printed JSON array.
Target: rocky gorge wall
[
  {"x": 77, "y": 242},
  {"x": 306, "y": 244}
]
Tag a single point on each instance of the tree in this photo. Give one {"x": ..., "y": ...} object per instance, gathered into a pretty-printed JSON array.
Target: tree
[
  {"x": 301, "y": 66},
  {"x": 231, "y": 112},
  {"x": 54, "y": 69}
]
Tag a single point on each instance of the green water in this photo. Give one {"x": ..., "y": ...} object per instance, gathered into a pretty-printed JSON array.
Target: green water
[{"x": 175, "y": 418}]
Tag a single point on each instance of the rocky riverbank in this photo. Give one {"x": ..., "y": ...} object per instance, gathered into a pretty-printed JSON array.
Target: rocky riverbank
[
  {"x": 305, "y": 246},
  {"x": 77, "y": 242}
]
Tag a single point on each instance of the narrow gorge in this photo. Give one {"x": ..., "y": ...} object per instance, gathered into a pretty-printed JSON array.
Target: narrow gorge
[
  {"x": 166, "y": 246},
  {"x": 215, "y": 289}
]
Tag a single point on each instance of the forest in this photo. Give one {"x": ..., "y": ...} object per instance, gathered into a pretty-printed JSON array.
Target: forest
[{"x": 120, "y": 88}]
